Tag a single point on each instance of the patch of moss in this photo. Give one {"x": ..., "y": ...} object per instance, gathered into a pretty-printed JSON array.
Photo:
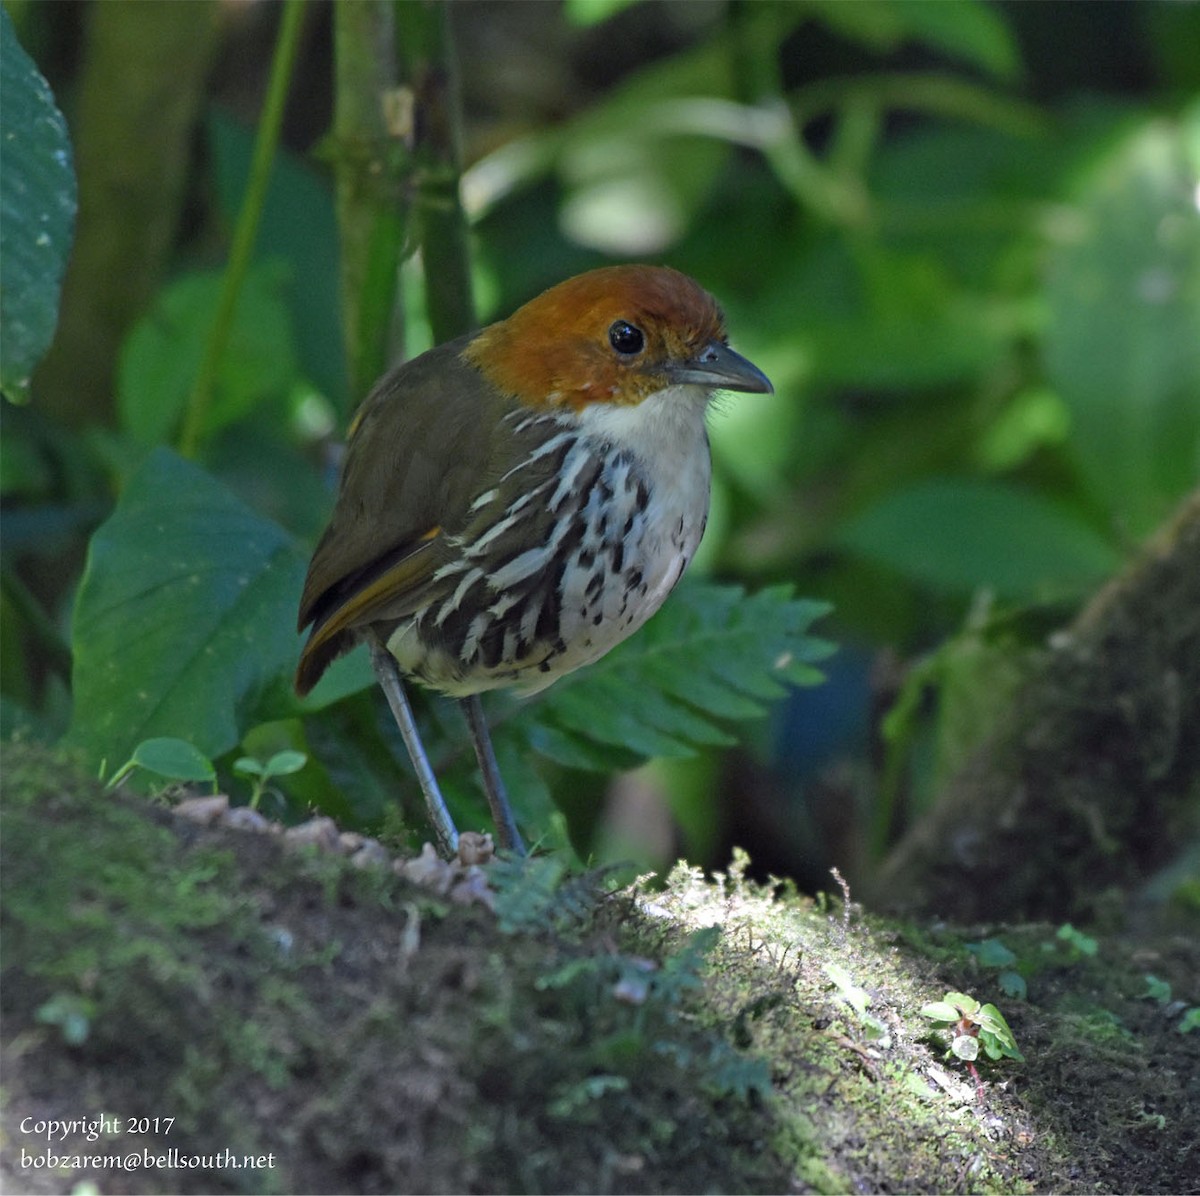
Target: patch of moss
[
  {"x": 832, "y": 1003},
  {"x": 1109, "y": 1087},
  {"x": 713, "y": 1035},
  {"x": 106, "y": 913},
  {"x": 368, "y": 1035}
]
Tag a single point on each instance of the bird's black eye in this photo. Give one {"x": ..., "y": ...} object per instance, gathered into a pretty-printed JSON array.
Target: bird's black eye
[{"x": 625, "y": 338}]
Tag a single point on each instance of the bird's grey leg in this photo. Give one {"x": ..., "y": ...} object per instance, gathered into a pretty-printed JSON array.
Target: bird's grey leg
[
  {"x": 388, "y": 675},
  {"x": 493, "y": 783}
]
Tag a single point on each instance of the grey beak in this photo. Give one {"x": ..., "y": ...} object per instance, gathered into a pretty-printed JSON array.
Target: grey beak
[{"x": 717, "y": 365}]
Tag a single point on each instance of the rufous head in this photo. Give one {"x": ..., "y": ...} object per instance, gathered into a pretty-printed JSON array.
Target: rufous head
[{"x": 614, "y": 335}]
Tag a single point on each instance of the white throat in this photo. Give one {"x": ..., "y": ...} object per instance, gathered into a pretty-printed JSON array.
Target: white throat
[{"x": 665, "y": 432}]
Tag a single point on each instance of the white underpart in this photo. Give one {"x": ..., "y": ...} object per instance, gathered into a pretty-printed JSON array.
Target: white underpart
[{"x": 665, "y": 444}]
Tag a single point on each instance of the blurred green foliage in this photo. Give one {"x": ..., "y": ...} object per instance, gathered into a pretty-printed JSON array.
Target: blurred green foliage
[
  {"x": 962, "y": 238},
  {"x": 37, "y": 213}
]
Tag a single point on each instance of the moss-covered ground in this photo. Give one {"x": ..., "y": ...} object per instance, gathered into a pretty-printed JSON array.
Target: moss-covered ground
[{"x": 353, "y": 1032}]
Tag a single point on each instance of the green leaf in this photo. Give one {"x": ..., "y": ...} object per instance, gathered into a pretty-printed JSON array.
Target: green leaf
[
  {"x": 1012, "y": 984},
  {"x": 526, "y": 896},
  {"x": 573, "y": 751},
  {"x": 990, "y": 1018},
  {"x": 162, "y": 355},
  {"x": 354, "y": 776},
  {"x": 37, "y": 213},
  {"x": 966, "y": 1046},
  {"x": 173, "y": 758},
  {"x": 592, "y": 12},
  {"x": 630, "y": 154},
  {"x": 957, "y": 535},
  {"x": 1078, "y": 942},
  {"x": 939, "y": 1011},
  {"x": 284, "y": 763},
  {"x": 856, "y": 997},
  {"x": 656, "y": 144},
  {"x": 71, "y": 1014},
  {"x": 992, "y": 953},
  {"x": 572, "y": 970},
  {"x": 966, "y": 29},
  {"x": 709, "y": 658},
  {"x": 1122, "y": 346},
  {"x": 349, "y": 674},
  {"x": 639, "y": 719},
  {"x": 875, "y": 24},
  {"x": 738, "y": 1075},
  {"x": 179, "y": 625},
  {"x": 998, "y": 1040},
  {"x": 574, "y": 1097},
  {"x": 1156, "y": 990},
  {"x": 519, "y": 768},
  {"x": 963, "y": 1002},
  {"x": 906, "y": 351}
]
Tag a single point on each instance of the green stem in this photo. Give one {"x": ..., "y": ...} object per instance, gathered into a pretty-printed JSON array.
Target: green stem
[
  {"x": 371, "y": 166},
  {"x": 426, "y": 47},
  {"x": 286, "y": 45}
]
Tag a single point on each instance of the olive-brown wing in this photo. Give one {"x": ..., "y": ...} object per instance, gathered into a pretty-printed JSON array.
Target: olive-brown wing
[{"x": 417, "y": 449}]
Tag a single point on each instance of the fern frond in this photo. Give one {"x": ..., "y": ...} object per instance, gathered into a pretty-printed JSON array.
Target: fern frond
[{"x": 712, "y": 657}]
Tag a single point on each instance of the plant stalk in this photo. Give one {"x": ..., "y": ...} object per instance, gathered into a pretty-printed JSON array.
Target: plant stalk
[
  {"x": 372, "y": 130},
  {"x": 282, "y": 64},
  {"x": 425, "y": 46}
]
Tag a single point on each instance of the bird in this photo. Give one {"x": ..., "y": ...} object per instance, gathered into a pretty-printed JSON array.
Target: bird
[{"x": 515, "y": 502}]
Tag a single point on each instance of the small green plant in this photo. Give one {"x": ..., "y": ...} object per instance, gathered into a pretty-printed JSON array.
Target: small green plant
[
  {"x": 993, "y": 953},
  {"x": 178, "y": 760},
  {"x": 857, "y": 998},
  {"x": 72, "y": 1015},
  {"x": 1160, "y": 991},
  {"x": 1076, "y": 944},
  {"x": 971, "y": 1027},
  {"x": 281, "y": 764},
  {"x": 543, "y": 893},
  {"x": 1014, "y": 972},
  {"x": 1156, "y": 990},
  {"x": 633, "y": 1011}
]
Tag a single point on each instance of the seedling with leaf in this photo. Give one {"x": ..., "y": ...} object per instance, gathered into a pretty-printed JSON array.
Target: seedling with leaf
[
  {"x": 1160, "y": 991},
  {"x": 973, "y": 1026},
  {"x": 177, "y": 760},
  {"x": 1074, "y": 944},
  {"x": 993, "y": 953},
  {"x": 281, "y": 764},
  {"x": 170, "y": 758}
]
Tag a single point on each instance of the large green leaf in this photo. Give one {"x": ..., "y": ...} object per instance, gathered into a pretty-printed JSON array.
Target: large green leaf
[
  {"x": 162, "y": 356},
  {"x": 37, "y": 213},
  {"x": 183, "y": 620},
  {"x": 966, "y": 29},
  {"x": 970, "y": 30},
  {"x": 957, "y": 535},
  {"x": 1123, "y": 342}
]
